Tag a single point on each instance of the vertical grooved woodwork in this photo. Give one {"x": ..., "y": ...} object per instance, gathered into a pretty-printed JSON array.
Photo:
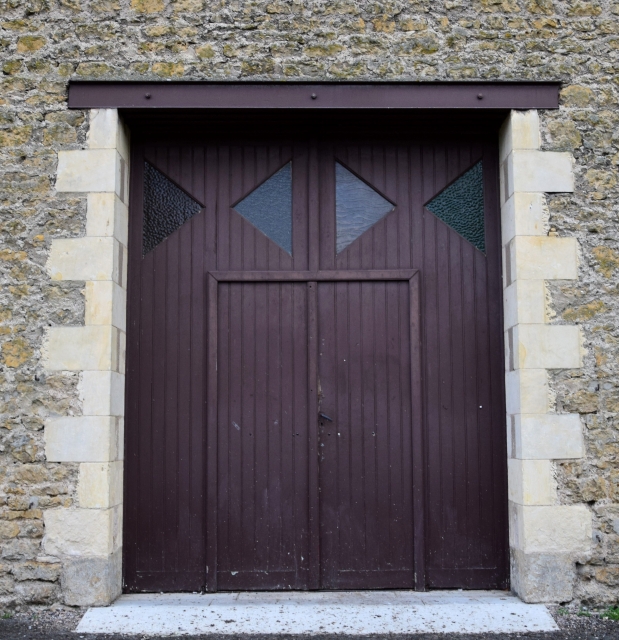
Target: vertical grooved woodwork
[{"x": 315, "y": 419}]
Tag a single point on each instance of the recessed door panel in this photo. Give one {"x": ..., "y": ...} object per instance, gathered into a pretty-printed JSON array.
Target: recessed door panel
[
  {"x": 262, "y": 436},
  {"x": 365, "y": 435}
]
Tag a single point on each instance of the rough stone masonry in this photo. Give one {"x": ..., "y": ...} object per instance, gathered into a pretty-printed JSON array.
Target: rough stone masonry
[{"x": 47, "y": 42}]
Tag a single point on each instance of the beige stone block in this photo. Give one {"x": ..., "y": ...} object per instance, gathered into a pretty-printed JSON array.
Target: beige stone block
[
  {"x": 107, "y": 216},
  {"x": 531, "y": 482},
  {"x": 106, "y": 303},
  {"x": 85, "y": 259},
  {"x": 549, "y": 436},
  {"x": 89, "y": 348},
  {"x": 82, "y": 439},
  {"x": 543, "y": 258},
  {"x": 550, "y": 529},
  {"x": 122, "y": 352},
  {"x": 542, "y": 577},
  {"x": 524, "y": 214},
  {"x": 526, "y": 391},
  {"x": 121, "y": 439},
  {"x": 543, "y": 346},
  {"x": 92, "y": 581},
  {"x": 102, "y": 393},
  {"x": 86, "y": 170},
  {"x": 519, "y": 131},
  {"x": 106, "y": 131},
  {"x": 82, "y": 532},
  {"x": 539, "y": 171},
  {"x": 524, "y": 302},
  {"x": 100, "y": 485}
]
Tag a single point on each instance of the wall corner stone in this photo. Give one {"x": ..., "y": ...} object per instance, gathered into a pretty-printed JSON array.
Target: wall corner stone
[
  {"x": 88, "y": 539},
  {"x": 546, "y": 539}
]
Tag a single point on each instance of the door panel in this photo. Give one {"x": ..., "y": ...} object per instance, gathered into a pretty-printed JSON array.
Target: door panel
[
  {"x": 262, "y": 436},
  {"x": 207, "y": 504},
  {"x": 366, "y": 491}
]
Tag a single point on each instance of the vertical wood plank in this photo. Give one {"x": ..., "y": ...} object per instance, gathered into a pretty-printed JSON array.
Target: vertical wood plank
[
  {"x": 312, "y": 421},
  {"x": 211, "y": 438},
  {"x": 418, "y": 433}
]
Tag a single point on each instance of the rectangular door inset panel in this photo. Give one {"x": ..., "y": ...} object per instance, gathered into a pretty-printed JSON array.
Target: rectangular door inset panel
[
  {"x": 365, "y": 435},
  {"x": 262, "y": 436}
]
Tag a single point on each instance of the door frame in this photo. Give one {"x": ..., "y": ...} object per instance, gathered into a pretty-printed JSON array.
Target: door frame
[{"x": 522, "y": 211}]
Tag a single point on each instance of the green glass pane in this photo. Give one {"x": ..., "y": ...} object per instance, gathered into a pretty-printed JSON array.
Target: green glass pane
[
  {"x": 269, "y": 208},
  {"x": 357, "y": 207},
  {"x": 166, "y": 208},
  {"x": 461, "y": 206}
]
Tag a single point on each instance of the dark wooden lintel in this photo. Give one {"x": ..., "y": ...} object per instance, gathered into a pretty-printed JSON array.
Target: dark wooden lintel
[{"x": 314, "y": 96}]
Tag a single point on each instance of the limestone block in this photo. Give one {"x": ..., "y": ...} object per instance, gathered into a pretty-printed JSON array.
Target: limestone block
[
  {"x": 531, "y": 482},
  {"x": 539, "y": 346},
  {"x": 121, "y": 352},
  {"x": 106, "y": 131},
  {"x": 89, "y": 348},
  {"x": 524, "y": 302},
  {"x": 121, "y": 438},
  {"x": 542, "y": 577},
  {"x": 92, "y": 581},
  {"x": 102, "y": 393},
  {"x": 82, "y": 532},
  {"x": 82, "y": 439},
  {"x": 85, "y": 259},
  {"x": 97, "y": 170},
  {"x": 546, "y": 437},
  {"x": 526, "y": 391},
  {"x": 524, "y": 214},
  {"x": 538, "y": 171},
  {"x": 551, "y": 529},
  {"x": 543, "y": 258},
  {"x": 106, "y": 303},
  {"x": 107, "y": 216},
  {"x": 519, "y": 131},
  {"x": 100, "y": 485}
]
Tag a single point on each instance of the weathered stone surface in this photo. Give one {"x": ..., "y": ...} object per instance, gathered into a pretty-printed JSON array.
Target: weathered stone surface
[
  {"x": 542, "y": 577},
  {"x": 92, "y": 581},
  {"x": 46, "y": 43},
  {"x": 34, "y": 570}
]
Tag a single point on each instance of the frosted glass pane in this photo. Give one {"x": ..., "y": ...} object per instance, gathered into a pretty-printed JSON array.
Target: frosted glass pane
[
  {"x": 166, "y": 208},
  {"x": 357, "y": 206},
  {"x": 269, "y": 208},
  {"x": 461, "y": 206}
]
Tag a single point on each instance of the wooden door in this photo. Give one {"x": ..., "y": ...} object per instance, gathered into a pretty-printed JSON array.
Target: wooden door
[
  {"x": 369, "y": 397},
  {"x": 315, "y": 402}
]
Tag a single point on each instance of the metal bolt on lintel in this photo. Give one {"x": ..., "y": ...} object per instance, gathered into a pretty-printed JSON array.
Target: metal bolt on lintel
[
  {"x": 480, "y": 96},
  {"x": 314, "y": 96},
  {"x": 147, "y": 96}
]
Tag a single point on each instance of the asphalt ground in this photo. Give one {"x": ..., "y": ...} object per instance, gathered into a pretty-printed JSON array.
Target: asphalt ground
[{"x": 60, "y": 625}]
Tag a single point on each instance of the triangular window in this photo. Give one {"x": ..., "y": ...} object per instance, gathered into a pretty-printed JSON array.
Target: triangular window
[
  {"x": 269, "y": 208},
  {"x": 461, "y": 206},
  {"x": 357, "y": 207},
  {"x": 166, "y": 208}
]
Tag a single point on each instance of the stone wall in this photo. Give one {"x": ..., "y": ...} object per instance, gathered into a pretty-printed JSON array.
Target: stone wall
[{"x": 46, "y": 42}]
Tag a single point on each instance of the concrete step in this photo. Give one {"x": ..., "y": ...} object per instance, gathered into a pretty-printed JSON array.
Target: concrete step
[{"x": 341, "y": 612}]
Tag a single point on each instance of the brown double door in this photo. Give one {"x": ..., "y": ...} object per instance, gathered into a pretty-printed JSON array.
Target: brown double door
[{"x": 314, "y": 395}]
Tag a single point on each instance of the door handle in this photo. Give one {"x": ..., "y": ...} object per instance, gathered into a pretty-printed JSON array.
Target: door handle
[{"x": 325, "y": 417}]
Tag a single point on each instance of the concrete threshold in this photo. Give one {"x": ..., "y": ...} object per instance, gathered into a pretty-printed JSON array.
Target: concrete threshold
[{"x": 335, "y": 612}]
